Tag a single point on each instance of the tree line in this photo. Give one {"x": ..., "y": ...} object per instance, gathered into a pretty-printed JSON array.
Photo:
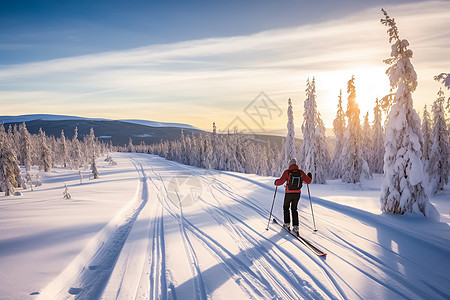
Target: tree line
[{"x": 19, "y": 147}]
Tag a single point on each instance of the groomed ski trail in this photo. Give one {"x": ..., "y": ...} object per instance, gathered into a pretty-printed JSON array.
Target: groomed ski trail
[{"x": 160, "y": 246}]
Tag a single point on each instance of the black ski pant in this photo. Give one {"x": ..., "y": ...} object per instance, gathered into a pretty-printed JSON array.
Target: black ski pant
[{"x": 291, "y": 202}]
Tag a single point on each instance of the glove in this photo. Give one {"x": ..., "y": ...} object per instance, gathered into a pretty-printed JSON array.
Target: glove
[
  {"x": 309, "y": 175},
  {"x": 275, "y": 182}
]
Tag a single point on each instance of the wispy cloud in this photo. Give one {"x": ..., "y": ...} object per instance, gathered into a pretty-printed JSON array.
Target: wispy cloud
[{"x": 201, "y": 81}]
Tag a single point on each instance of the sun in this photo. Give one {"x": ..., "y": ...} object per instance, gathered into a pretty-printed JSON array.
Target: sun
[{"x": 371, "y": 82}]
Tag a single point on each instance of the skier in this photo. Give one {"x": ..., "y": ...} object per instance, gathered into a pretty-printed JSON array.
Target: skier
[{"x": 294, "y": 178}]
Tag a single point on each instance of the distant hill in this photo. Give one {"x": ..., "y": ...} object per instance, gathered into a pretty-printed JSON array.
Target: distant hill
[
  {"x": 118, "y": 132},
  {"x": 49, "y": 117}
]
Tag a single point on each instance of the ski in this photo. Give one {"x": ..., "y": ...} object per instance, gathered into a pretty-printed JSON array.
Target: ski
[{"x": 304, "y": 241}]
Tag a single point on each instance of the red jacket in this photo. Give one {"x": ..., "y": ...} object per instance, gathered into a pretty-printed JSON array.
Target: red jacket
[{"x": 285, "y": 176}]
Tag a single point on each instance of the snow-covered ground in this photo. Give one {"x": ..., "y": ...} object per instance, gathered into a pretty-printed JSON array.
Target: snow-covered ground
[{"x": 149, "y": 228}]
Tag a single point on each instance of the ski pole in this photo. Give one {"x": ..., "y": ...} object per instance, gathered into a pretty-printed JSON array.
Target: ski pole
[
  {"x": 273, "y": 202},
  {"x": 312, "y": 211}
]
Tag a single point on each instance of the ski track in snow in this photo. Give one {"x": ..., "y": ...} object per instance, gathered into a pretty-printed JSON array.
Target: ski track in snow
[
  {"x": 133, "y": 256},
  {"x": 265, "y": 264}
]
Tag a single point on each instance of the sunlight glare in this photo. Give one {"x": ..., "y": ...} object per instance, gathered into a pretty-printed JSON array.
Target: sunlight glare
[{"x": 371, "y": 82}]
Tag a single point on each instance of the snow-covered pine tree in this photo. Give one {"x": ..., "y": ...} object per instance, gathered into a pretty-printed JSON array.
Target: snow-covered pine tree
[
  {"x": 10, "y": 177},
  {"x": 312, "y": 137},
  {"x": 439, "y": 165},
  {"x": 131, "y": 147},
  {"x": 353, "y": 160},
  {"x": 403, "y": 184},
  {"x": 377, "y": 159},
  {"x": 94, "y": 168},
  {"x": 63, "y": 150},
  {"x": 76, "y": 155},
  {"x": 367, "y": 139},
  {"x": 25, "y": 147},
  {"x": 290, "y": 138},
  {"x": 308, "y": 129},
  {"x": 45, "y": 155},
  {"x": 426, "y": 132},
  {"x": 322, "y": 153},
  {"x": 214, "y": 160},
  {"x": 339, "y": 129}
]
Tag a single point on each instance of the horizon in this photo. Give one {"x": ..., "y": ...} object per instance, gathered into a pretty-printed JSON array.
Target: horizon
[{"x": 187, "y": 72}]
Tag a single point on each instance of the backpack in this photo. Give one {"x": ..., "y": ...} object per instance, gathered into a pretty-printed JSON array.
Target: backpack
[{"x": 294, "y": 180}]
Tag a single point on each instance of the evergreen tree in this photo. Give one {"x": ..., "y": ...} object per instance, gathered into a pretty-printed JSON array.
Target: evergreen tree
[
  {"x": 339, "y": 129},
  {"x": 25, "y": 147},
  {"x": 10, "y": 177},
  {"x": 94, "y": 168},
  {"x": 308, "y": 128},
  {"x": 290, "y": 138},
  {"x": 214, "y": 160},
  {"x": 131, "y": 147},
  {"x": 376, "y": 161},
  {"x": 312, "y": 135},
  {"x": 63, "y": 150},
  {"x": 76, "y": 155},
  {"x": 352, "y": 155},
  {"x": 403, "y": 184},
  {"x": 426, "y": 132},
  {"x": 367, "y": 139},
  {"x": 322, "y": 153},
  {"x": 439, "y": 166},
  {"x": 45, "y": 161}
]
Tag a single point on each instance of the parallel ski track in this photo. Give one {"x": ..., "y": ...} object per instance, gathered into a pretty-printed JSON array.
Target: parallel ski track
[
  {"x": 242, "y": 275},
  {"x": 279, "y": 260},
  {"x": 199, "y": 289},
  {"x": 261, "y": 256},
  {"x": 158, "y": 282}
]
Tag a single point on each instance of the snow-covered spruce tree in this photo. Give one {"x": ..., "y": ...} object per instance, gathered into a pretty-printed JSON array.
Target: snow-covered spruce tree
[
  {"x": 26, "y": 149},
  {"x": 290, "y": 138},
  {"x": 403, "y": 184},
  {"x": 439, "y": 165},
  {"x": 75, "y": 153},
  {"x": 94, "y": 168},
  {"x": 10, "y": 177},
  {"x": 367, "y": 139},
  {"x": 339, "y": 129},
  {"x": 308, "y": 129},
  {"x": 131, "y": 147},
  {"x": 63, "y": 150},
  {"x": 214, "y": 159},
  {"x": 45, "y": 155},
  {"x": 310, "y": 161},
  {"x": 426, "y": 132},
  {"x": 323, "y": 158},
  {"x": 377, "y": 160},
  {"x": 353, "y": 160}
]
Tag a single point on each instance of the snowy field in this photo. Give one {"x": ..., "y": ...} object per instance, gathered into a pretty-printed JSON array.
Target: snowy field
[{"x": 149, "y": 228}]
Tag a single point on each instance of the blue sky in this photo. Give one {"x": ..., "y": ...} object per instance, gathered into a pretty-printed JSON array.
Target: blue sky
[
  {"x": 203, "y": 61},
  {"x": 40, "y": 30}
]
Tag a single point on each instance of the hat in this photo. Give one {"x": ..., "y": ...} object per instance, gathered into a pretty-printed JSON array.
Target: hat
[{"x": 293, "y": 161}]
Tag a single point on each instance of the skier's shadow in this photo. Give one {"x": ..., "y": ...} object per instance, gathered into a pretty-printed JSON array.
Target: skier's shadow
[
  {"x": 244, "y": 268},
  {"x": 405, "y": 253}
]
